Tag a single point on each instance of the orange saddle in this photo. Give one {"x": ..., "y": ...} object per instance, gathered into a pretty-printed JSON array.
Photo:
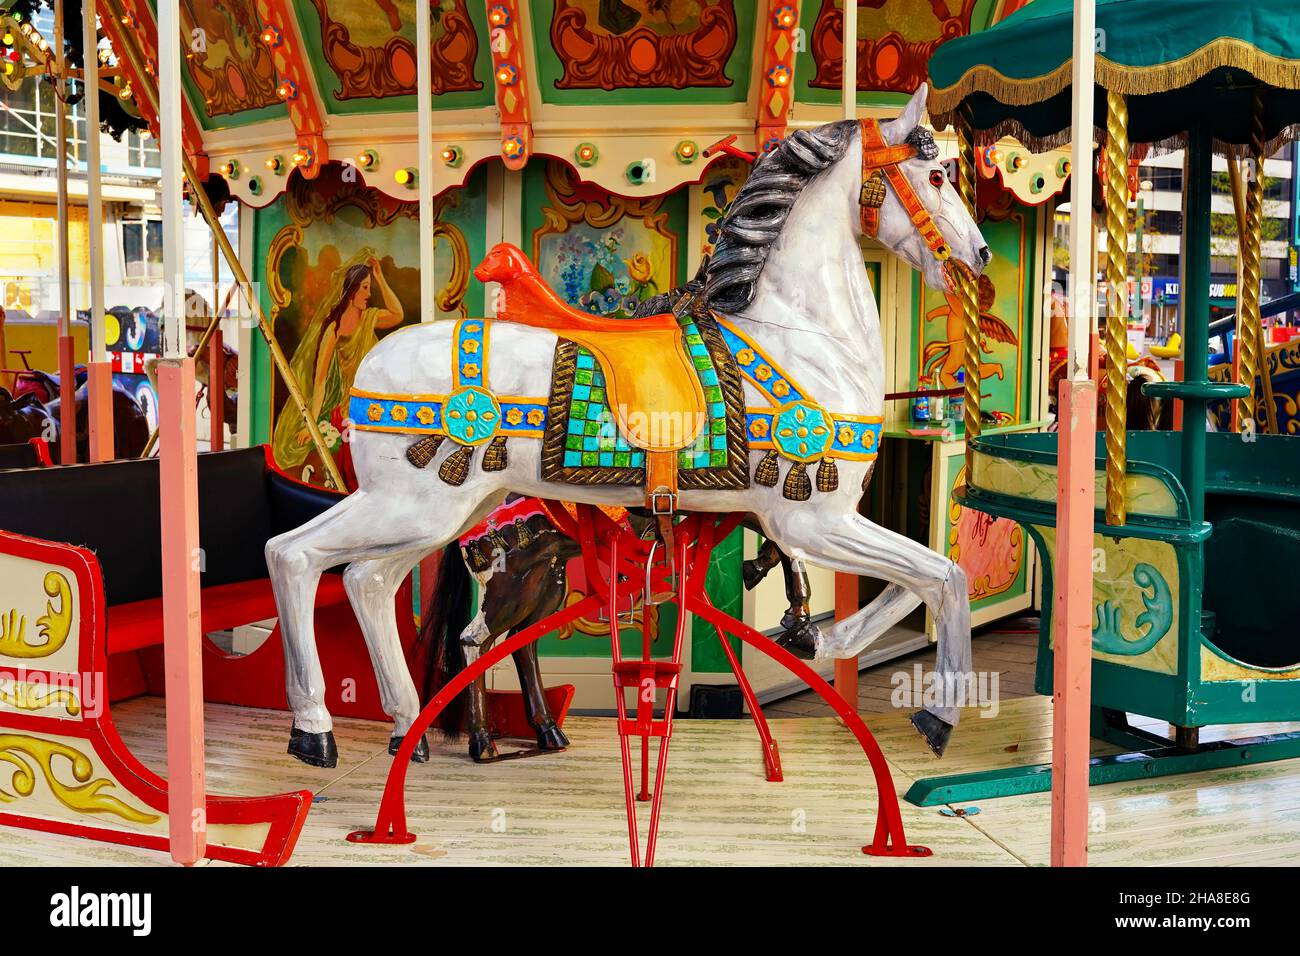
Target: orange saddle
[{"x": 654, "y": 393}]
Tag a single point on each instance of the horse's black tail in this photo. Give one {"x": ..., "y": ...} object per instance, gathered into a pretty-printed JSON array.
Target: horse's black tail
[{"x": 442, "y": 623}]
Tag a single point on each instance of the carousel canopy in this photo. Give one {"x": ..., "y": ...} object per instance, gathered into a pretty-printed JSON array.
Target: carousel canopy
[{"x": 1179, "y": 64}]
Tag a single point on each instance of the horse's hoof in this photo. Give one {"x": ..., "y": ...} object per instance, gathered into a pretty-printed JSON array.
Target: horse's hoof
[
  {"x": 419, "y": 755},
  {"x": 319, "y": 750},
  {"x": 482, "y": 749},
  {"x": 551, "y": 737},
  {"x": 801, "y": 640},
  {"x": 752, "y": 574},
  {"x": 935, "y": 731}
]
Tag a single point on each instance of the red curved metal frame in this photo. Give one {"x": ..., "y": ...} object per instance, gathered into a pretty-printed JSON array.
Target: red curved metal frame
[{"x": 615, "y": 560}]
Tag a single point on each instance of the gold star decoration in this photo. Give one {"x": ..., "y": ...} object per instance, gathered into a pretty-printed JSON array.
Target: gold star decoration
[
  {"x": 846, "y": 435},
  {"x": 745, "y": 356},
  {"x": 425, "y": 414},
  {"x": 780, "y": 388},
  {"x": 535, "y": 416},
  {"x": 470, "y": 370},
  {"x": 763, "y": 373},
  {"x": 375, "y": 411},
  {"x": 469, "y": 346},
  {"x": 758, "y": 428},
  {"x": 399, "y": 413},
  {"x": 514, "y": 416}
]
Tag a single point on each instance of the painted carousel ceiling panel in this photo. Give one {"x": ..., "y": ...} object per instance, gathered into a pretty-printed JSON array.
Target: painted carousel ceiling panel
[
  {"x": 228, "y": 76},
  {"x": 895, "y": 41},
  {"x": 363, "y": 53},
  {"x": 644, "y": 51}
]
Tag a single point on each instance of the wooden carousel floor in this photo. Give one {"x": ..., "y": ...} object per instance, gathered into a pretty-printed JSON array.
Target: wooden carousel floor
[{"x": 568, "y": 808}]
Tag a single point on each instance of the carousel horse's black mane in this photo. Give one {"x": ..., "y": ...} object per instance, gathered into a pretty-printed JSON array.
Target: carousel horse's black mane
[{"x": 759, "y": 210}]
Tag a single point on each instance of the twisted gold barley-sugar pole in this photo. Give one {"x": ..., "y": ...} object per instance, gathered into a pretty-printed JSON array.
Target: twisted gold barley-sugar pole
[
  {"x": 200, "y": 198},
  {"x": 966, "y": 294},
  {"x": 1250, "y": 330},
  {"x": 1116, "y": 336}
]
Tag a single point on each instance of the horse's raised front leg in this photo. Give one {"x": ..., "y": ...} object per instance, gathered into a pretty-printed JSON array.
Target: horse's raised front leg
[{"x": 848, "y": 542}]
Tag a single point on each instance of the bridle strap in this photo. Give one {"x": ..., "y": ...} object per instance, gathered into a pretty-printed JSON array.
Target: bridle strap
[{"x": 879, "y": 157}]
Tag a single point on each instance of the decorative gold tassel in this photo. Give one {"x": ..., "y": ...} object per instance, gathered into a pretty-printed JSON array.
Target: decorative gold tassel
[
  {"x": 499, "y": 544},
  {"x": 455, "y": 469},
  {"x": 798, "y": 487},
  {"x": 766, "y": 473},
  {"x": 422, "y": 452},
  {"x": 495, "y": 458},
  {"x": 828, "y": 475},
  {"x": 523, "y": 533}
]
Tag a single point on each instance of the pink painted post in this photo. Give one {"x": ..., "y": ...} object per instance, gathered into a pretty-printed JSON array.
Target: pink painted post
[
  {"x": 216, "y": 392},
  {"x": 1072, "y": 624},
  {"x": 181, "y": 560},
  {"x": 99, "y": 410},
  {"x": 846, "y": 669},
  {"x": 67, "y": 402}
]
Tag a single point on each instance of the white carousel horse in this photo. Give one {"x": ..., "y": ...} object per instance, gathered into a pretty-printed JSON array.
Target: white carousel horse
[{"x": 788, "y": 283}]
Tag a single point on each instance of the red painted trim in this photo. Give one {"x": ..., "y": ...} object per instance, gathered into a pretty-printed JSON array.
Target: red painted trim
[
  {"x": 42, "y": 452},
  {"x": 284, "y": 813},
  {"x": 775, "y": 98},
  {"x": 506, "y": 41},
  {"x": 292, "y": 67},
  {"x": 272, "y": 466}
]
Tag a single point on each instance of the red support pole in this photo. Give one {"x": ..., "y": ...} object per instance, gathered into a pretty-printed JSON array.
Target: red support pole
[
  {"x": 1072, "y": 624},
  {"x": 67, "y": 401},
  {"x": 846, "y": 670},
  {"x": 216, "y": 392},
  {"x": 182, "y": 648}
]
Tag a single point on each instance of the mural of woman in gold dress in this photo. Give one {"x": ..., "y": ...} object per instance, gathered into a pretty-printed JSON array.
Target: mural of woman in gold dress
[{"x": 343, "y": 329}]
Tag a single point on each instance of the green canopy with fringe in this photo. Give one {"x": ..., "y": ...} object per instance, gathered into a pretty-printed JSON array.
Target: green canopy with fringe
[{"x": 1179, "y": 62}]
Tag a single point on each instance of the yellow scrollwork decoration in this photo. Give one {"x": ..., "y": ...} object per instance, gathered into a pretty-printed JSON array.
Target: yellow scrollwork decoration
[
  {"x": 52, "y": 627},
  {"x": 29, "y": 754},
  {"x": 28, "y": 696}
]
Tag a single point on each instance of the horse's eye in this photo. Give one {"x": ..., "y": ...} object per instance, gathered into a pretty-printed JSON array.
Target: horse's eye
[{"x": 936, "y": 178}]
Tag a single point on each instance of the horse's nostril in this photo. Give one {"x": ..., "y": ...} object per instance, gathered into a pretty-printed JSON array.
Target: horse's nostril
[{"x": 986, "y": 255}]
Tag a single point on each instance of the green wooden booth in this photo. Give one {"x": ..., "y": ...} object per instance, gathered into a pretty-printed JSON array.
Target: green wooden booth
[{"x": 1193, "y": 622}]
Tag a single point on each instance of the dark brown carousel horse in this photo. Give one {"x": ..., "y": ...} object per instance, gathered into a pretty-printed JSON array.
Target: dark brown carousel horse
[
  {"x": 27, "y": 417},
  {"x": 520, "y": 561}
]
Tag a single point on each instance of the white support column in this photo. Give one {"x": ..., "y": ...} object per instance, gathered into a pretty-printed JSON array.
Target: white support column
[
  {"x": 99, "y": 386},
  {"x": 849, "y": 81},
  {"x": 67, "y": 366},
  {"x": 178, "y": 477},
  {"x": 1076, "y": 491},
  {"x": 846, "y": 585},
  {"x": 424, "y": 152}
]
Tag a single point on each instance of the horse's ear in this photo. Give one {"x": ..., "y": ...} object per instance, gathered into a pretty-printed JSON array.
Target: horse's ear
[{"x": 897, "y": 130}]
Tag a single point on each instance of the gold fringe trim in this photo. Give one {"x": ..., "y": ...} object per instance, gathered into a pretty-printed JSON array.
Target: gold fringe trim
[
  {"x": 766, "y": 473},
  {"x": 1278, "y": 71}
]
